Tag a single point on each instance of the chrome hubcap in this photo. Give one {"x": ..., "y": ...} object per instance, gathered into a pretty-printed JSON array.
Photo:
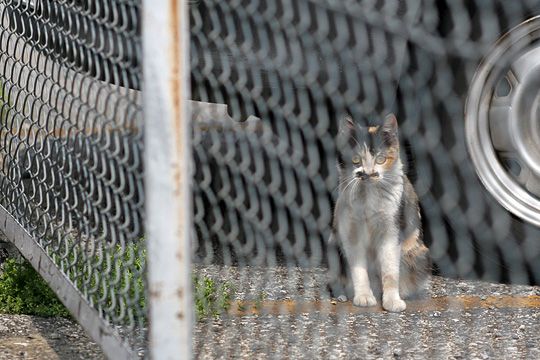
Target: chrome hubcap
[{"x": 503, "y": 121}]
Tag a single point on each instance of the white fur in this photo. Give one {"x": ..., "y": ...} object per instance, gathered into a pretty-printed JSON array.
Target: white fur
[{"x": 373, "y": 212}]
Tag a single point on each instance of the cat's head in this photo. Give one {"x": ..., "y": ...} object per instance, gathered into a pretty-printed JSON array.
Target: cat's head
[{"x": 370, "y": 154}]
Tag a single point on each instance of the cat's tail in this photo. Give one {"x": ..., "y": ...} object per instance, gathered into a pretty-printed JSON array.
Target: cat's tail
[{"x": 415, "y": 268}]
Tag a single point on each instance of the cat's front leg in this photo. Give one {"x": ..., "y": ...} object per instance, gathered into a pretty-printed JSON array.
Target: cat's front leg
[
  {"x": 363, "y": 295},
  {"x": 389, "y": 260}
]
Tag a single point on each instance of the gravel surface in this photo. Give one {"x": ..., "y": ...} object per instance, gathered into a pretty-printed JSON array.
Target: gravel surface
[
  {"x": 452, "y": 331},
  {"x": 479, "y": 334},
  {"x": 480, "y": 331},
  {"x": 32, "y": 337},
  {"x": 282, "y": 283}
]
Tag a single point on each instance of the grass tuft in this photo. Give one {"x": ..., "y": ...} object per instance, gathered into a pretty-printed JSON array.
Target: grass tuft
[
  {"x": 23, "y": 291},
  {"x": 211, "y": 299}
]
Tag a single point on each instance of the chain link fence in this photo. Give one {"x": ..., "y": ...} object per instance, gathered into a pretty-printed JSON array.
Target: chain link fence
[
  {"x": 71, "y": 186},
  {"x": 270, "y": 83},
  {"x": 266, "y": 178},
  {"x": 265, "y": 187},
  {"x": 265, "y": 192}
]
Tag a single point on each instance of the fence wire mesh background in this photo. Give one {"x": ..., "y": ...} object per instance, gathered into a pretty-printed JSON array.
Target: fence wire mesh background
[
  {"x": 270, "y": 82},
  {"x": 265, "y": 177},
  {"x": 71, "y": 147}
]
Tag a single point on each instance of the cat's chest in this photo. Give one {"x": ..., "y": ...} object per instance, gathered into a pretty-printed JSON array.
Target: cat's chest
[
  {"x": 366, "y": 224},
  {"x": 366, "y": 212},
  {"x": 373, "y": 205}
]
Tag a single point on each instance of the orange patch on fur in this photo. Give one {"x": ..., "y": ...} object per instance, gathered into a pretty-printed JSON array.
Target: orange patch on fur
[
  {"x": 390, "y": 159},
  {"x": 411, "y": 242},
  {"x": 373, "y": 129},
  {"x": 413, "y": 249},
  {"x": 389, "y": 282}
]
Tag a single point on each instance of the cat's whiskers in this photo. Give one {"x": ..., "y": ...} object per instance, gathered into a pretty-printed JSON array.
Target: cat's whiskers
[
  {"x": 390, "y": 175},
  {"x": 385, "y": 188},
  {"x": 343, "y": 181},
  {"x": 355, "y": 187},
  {"x": 352, "y": 181},
  {"x": 352, "y": 196}
]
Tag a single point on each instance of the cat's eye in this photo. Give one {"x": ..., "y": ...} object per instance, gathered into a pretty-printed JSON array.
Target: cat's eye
[
  {"x": 380, "y": 159},
  {"x": 356, "y": 159}
]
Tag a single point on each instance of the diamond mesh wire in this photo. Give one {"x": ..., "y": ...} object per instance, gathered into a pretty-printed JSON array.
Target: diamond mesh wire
[
  {"x": 71, "y": 145},
  {"x": 265, "y": 178}
]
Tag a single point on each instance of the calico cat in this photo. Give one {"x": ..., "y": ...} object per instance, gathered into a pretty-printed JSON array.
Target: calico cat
[{"x": 376, "y": 218}]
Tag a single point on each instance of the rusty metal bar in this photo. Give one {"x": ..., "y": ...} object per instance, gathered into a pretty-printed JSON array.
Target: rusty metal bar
[{"x": 167, "y": 167}]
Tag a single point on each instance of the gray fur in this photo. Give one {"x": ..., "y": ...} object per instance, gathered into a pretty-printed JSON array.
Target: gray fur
[{"x": 376, "y": 217}]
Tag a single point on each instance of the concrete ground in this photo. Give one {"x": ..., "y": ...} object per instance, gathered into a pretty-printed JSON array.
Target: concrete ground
[{"x": 285, "y": 313}]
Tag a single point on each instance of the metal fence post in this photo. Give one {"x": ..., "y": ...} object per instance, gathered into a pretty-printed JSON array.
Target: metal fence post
[{"x": 167, "y": 159}]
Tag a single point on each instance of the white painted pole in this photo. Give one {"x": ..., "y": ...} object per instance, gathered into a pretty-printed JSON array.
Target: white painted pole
[{"x": 167, "y": 176}]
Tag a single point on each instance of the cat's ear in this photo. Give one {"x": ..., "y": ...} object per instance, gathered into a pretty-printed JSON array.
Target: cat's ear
[
  {"x": 347, "y": 125},
  {"x": 390, "y": 125},
  {"x": 347, "y": 133},
  {"x": 390, "y": 130}
]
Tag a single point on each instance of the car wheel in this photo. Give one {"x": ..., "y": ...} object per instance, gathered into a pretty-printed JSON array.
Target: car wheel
[{"x": 502, "y": 121}]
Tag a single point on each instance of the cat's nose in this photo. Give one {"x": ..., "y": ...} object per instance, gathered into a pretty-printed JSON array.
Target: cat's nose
[
  {"x": 362, "y": 175},
  {"x": 375, "y": 174}
]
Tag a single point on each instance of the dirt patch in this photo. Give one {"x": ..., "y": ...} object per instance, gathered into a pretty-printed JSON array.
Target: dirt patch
[{"x": 31, "y": 337}]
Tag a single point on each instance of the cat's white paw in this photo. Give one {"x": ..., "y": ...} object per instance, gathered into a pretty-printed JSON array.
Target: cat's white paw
[
  {"x": 364, "y": 300},
  {"x": 342, "y": 298},
  {"x": 394, "y": 304}
]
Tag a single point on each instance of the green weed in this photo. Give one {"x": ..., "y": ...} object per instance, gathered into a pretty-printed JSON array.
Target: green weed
[
  {"x": 115, "y": 274},
  {"x": 23, "y": 291},
  {"x": 260, "y": 299},
  {"x": 211, "y": 299}
]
